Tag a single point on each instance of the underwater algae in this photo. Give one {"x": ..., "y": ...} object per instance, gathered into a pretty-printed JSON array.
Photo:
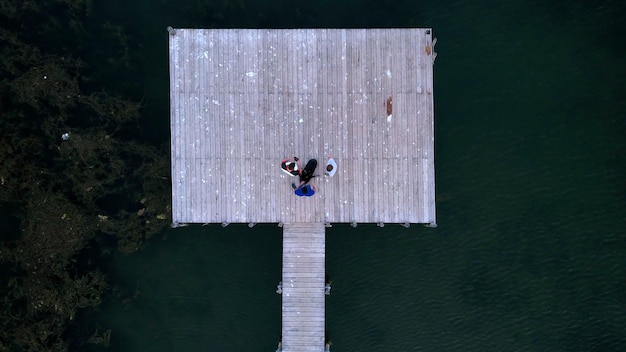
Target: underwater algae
[{"x": 73, "y": 176}]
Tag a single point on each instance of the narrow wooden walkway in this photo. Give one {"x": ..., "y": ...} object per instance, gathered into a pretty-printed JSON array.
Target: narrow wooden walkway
[{"x": 303, "y": 287}]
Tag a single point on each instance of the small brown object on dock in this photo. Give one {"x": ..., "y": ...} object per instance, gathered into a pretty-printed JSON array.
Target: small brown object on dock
[
  {"x": 428, "y": 50},
  {"x": 389, "y": 106}
]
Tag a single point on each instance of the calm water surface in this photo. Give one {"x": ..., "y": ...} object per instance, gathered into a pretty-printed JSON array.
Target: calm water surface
[{"x": 529, "y": 253}]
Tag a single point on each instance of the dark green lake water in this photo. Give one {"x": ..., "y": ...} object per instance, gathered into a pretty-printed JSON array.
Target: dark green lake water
[{"x": 530, "y": 166}]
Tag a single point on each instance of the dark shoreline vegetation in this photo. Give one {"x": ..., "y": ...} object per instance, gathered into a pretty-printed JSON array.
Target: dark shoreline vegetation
[{"x": 67, "y": 203}]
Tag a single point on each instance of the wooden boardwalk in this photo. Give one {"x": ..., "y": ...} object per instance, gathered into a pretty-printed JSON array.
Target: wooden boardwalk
[
  {"x": 303, "y": 299},
  {"x": 244, "y": 99}
]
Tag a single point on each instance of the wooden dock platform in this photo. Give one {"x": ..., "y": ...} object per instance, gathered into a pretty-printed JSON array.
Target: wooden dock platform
[
  {"x": 242, "y": 100},
  {"x": 303, "y": 298}
]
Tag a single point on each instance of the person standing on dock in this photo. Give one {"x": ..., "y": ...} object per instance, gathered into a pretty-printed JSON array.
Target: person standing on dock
[
  {"x": 307, "y": 173},
  {"x": 291, "y": 166},
  {"x": 305, "y": 190}
]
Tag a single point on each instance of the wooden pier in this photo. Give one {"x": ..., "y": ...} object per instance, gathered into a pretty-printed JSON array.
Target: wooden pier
[
  {"x": 303, "y": 299},
  {"x": 242, "y": 100}
]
